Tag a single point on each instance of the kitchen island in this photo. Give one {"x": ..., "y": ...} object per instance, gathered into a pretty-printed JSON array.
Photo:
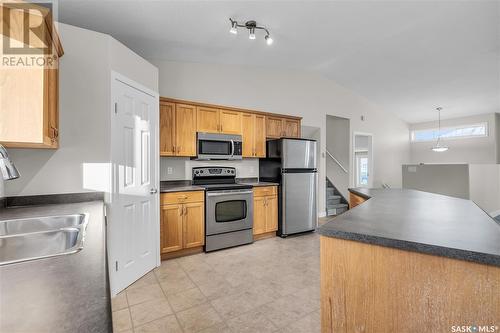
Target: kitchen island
[{"x": 408, "y": 261}]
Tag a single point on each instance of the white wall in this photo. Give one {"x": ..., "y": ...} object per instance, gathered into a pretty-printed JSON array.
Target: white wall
[
  {"x": 81, "y": 163},
  {"x": 476, "y": 150},
  {"x": 484, "y": 180},
  {"x": 296, "y": 93},
  {"x": 497, "y": 127}
]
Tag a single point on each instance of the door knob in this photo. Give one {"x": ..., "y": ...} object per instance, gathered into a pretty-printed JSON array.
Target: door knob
[{"x": 153, "y": 191}]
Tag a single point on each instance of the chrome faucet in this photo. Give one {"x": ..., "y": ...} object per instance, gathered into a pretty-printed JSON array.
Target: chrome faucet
[{"x": 7, "y": 167}]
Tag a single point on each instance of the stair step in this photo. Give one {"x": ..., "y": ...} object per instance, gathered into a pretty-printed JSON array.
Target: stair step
[
  {"x": 335, "y": 211},
  {"x": 334, "y": 201},
  {"x": 333, "y": 196},
  {"x": 339, "y": 205}
]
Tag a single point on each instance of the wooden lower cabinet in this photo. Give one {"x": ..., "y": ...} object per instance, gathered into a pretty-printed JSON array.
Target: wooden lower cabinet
[
  {"x": 182, "y": 224},
  {"x": 171, "y": 229},
  {"x": 265, "y": 211},
  {"x": 194, "y": 224},
  {"x": 355, "y": 200}
]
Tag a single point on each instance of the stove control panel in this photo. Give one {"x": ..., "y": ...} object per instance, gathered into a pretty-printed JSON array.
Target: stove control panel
[{"x": 214, "y": 172}]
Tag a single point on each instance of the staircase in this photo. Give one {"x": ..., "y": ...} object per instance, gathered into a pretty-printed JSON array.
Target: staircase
[{"x": 336, "y": 204}]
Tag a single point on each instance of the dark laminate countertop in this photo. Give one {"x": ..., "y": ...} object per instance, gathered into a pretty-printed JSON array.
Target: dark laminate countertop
[
  {"x": 420, "y": 221},
  {"x": 59, "y": 294},
  {"x": 185, "y": 185},
  {"x": 178, "y": 186}
]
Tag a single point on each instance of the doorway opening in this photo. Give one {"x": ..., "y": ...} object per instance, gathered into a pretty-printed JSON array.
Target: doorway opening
[{"x": 363, "y": 160}]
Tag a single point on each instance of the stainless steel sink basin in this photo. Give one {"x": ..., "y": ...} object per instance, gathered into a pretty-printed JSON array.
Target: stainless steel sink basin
[
  {"x": 43, "y": 237},
  {"x": 36, "y": 224}
]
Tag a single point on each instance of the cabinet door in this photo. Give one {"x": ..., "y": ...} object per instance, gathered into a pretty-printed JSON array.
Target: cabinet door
[
  {"x": 52, "y": 93},
  {"x": 291, "y": 128},
  {"x": 167, "y": 129},
  {"x": 185, "y": 130},
  {"x": 247, "y": 133},
  {"x": 207, "y": 120},
  {"x": 230, "y": 122},
  {"x": 171, "y": 232},
  {"x": 274, "y": 127},
  {"x": 271, "y": 213},
  {"x": 260, "y": 136},
  {"x": 259, "y": 215},
  {"x": 194, "y": 224}
]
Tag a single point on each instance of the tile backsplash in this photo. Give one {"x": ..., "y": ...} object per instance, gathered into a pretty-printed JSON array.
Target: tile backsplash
[{"x": 179, "y": 168}]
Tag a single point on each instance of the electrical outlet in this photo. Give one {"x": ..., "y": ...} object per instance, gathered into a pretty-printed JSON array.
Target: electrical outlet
[{"x": 170, "y": 170}]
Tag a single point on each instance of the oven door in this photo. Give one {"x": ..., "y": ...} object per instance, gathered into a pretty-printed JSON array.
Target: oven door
[{"x": 229, "y": 210}]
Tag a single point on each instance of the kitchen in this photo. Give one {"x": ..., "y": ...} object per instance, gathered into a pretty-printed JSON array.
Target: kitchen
[{"x": 220, "y": 158}]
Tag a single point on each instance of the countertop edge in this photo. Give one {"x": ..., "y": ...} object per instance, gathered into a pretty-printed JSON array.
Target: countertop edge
[{"x": 405, "y": 245}]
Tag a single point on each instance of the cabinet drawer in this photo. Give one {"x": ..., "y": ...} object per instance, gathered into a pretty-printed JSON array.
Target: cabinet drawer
[
  {"x": 182, "y": 197},
  {"x": 261, "y": 191}
]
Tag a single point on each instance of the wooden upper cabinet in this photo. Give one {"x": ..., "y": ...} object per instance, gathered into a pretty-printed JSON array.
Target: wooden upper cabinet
[
  {"x": 212, "y": 120},
  {"x": 254, "y": 135},
  {"x": 274, "y": 127},
  {"x": 248, "y": 134},
  {"x": 230, "y": 122},
  {"x": 291, "y": 127},
  {"x": 167, "y": 129},
  {"x": 185, "y": 130},
  {"x": 178, "y": 129},
  {"x": 29, "y": 96},
  {"x": 208, "y": 120},
  {"x": 278, "y": 127},
  {"x": 260, "y": 135}
]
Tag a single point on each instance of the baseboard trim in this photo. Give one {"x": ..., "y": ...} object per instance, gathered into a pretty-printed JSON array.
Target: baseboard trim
[
  {"x": 264, "y": 235},
  {"x": 181, "y": 253}
]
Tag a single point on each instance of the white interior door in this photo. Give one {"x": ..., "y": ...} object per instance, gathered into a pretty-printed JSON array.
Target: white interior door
[{"x": 134, "y": 215}]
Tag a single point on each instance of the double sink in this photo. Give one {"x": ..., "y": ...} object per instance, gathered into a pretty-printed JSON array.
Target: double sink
[{"x": 41, "y": 237}]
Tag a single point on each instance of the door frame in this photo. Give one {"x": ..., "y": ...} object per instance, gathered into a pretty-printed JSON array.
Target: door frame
[
  {"x": 370, "y": 158},
  {"x": 112, "y": 246}
]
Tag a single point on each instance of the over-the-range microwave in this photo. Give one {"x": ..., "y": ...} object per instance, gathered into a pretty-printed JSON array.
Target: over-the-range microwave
[{"x": 214, "y": 146}]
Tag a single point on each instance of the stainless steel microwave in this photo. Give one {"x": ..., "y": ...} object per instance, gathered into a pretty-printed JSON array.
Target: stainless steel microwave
[{"x": 213, "y": 146}]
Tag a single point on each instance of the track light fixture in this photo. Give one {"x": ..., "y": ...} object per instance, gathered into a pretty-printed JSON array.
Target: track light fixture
[{"x": 251, "y": 26}]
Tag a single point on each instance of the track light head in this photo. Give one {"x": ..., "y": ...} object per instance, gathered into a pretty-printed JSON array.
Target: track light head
[
  {"x": 234, "y": 27},
  {"x": 269, "y": 40},
  {"x": 252, "y": 34}
]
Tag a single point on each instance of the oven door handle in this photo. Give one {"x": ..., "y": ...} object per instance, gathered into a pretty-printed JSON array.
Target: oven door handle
[{"x": 220, "y": 194}]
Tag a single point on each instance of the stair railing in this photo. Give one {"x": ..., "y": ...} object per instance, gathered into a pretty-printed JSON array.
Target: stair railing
[{"x": 336, "y": 161}]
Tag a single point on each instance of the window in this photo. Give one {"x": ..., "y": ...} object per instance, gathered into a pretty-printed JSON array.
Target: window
[
  {"x": 361, "y": 169},
  {"x": 456, "y": 132}
]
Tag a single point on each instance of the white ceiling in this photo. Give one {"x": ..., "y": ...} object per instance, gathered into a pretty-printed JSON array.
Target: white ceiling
[{"x": 406, "y": 56}]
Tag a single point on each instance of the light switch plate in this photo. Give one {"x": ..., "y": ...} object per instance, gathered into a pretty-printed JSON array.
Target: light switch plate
[{"x": 170, "y": 170}]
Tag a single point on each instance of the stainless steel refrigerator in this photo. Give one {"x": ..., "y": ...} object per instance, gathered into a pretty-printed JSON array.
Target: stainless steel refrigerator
[{"x": 292, "y": 164}]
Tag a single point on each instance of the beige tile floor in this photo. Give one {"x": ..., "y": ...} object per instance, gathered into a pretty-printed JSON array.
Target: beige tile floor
[{"x": 269, "y": 286}]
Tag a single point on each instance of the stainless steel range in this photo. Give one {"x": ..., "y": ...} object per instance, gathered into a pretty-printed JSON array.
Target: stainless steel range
[{"x": 228, "y": 208}]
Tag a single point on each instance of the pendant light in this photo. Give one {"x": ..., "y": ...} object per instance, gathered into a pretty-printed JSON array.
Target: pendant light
[{"x": 439, "y": 147}]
